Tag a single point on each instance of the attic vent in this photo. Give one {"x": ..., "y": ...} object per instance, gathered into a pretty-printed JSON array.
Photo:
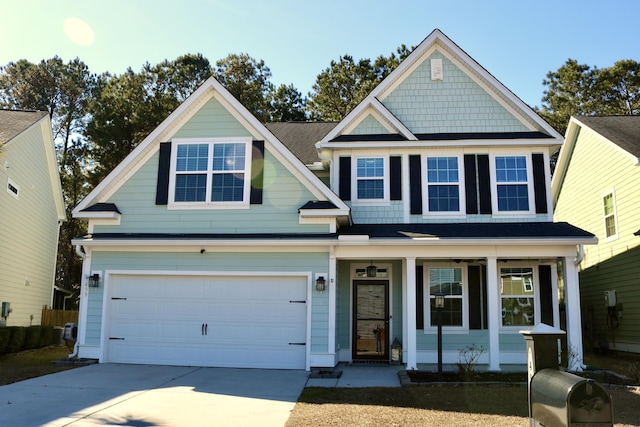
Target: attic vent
[
  {"x": 436, "y": 69},
  {"x": 12, "y": 188}
]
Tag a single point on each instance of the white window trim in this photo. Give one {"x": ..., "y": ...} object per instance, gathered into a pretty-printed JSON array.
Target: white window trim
[
  {"x": 428, "y": 329},
  {"x": 461, "y": 213},
  {"x": 386, "y": 182},
  {"x": 613, "y": 237},
  {"x": 494, "y": 185},
  {"x": 515, "y": 329},
  {"x": 13, "y": 184},
  {"x": 210, "y": 205}
]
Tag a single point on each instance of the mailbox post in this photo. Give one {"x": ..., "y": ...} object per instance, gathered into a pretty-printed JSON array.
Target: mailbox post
[{"x": 559, "y": 398}]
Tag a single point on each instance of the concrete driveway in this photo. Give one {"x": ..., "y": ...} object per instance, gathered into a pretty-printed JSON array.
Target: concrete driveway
[{"x": 145, "y": 395}]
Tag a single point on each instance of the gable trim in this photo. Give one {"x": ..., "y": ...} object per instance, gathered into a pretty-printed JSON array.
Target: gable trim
[{"x": 210, "y": 88}]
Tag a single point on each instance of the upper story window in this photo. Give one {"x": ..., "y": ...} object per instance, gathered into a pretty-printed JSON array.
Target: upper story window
[
  {"x": 451, "y": 281},
  {"x": 443, "y": 184},
  {"x": 210, "y": 172},
  {"x": 512, "y": 182},
  {"x": 370, "y": 178},
  {"x": 517, "y": 293},
  {"x": 609, "y": 214}
]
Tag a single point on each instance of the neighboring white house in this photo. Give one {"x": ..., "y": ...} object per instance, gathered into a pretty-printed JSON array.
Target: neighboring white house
[
  {"x": 31, "y": 210},
  {"x": 216, "y": 242}
]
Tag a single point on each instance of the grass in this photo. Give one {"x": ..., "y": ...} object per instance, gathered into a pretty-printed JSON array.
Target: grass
[{"x": 31, "y": 363}]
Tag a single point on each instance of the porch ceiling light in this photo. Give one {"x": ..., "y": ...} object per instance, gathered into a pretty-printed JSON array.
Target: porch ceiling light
[
  {"x": 320, "y": 284},
  {"x": 439, "y": 299},
  {"x": 372, "y": 270}
]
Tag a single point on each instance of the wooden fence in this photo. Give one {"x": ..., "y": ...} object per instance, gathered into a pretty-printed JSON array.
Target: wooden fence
[{"x": 58, "y": 317}]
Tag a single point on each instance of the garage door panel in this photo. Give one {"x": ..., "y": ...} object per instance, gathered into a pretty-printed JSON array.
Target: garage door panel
[{"x": 250, "y": 321}]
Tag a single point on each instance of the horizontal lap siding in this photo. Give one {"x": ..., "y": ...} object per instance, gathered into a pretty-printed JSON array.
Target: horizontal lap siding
[
  {"x": 452, "y": 342},
  {"x": 212, "y": 120},
  {"x": 597, "y": 167},
  {"x": 28, "y": 228},
  {"x": 283, "y": 195}
]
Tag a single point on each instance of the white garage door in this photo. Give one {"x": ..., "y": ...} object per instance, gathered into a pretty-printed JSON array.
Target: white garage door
[{"x": 242, "y": 322}]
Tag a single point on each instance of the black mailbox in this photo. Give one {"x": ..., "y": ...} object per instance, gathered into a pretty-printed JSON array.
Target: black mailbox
[{"x": 563, "y": 399}]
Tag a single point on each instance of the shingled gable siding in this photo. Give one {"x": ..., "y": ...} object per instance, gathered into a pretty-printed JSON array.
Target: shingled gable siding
[
  {"x": 477, "y": 184},
  {"x": 539, "y": 183},
  {"x": 345, "y": 178},
  {"x": 444, "y": 107}
]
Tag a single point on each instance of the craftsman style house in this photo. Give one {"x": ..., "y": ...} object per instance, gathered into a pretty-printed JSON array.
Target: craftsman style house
[
  {"x": 31, "y": 210},
  {"x": 218, "y": 242},
  {"x": 597, "y": 187}
]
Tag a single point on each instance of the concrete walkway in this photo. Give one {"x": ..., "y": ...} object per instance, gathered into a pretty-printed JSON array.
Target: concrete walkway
[{"x": 361, "y": 376}]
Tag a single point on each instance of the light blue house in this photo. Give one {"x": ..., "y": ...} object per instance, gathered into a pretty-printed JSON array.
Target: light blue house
[{"x": 217, "y": 243}]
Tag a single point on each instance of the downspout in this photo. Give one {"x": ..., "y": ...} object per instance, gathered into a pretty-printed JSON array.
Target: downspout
[
  {"x": 82, "y": 255},
  {"x": 580, "y": 255}
]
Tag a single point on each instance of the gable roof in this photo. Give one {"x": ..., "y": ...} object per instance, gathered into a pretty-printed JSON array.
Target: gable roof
[
  {"x": 211, "y": 88},
  {"x": 300, "y": 137},
  {"x": 622, "y": 132},
  {"x": 14, "y": 122},
  {"x": 437, "y": 40}
]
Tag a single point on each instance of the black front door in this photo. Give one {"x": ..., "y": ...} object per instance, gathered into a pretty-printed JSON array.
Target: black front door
[{"x": 370, "y": 319}]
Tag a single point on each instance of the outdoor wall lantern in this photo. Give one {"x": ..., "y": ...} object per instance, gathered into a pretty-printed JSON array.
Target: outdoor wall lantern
[
  {"x": 94, "y": 280},
  {"x": 439, "y": 300},
  {"x": 372, "y": 270},
  {"x": 320, "y": 284}
]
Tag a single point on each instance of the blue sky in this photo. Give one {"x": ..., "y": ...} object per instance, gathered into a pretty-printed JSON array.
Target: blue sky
[{"x": 518, "y": 41}]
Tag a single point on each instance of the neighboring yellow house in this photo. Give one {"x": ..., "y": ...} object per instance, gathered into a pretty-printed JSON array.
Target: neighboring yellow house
[
  {"x": 596, "y": 186},
  {"x": 31, "y": 210}
]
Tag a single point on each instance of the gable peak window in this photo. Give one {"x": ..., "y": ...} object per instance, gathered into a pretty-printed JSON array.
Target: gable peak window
[{"x": 210, "y": 172}]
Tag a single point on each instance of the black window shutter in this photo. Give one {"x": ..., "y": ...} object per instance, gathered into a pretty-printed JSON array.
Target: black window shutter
[
  {"x": 470, "y": 183},
  {"x": 477, "y": 297},
  {"x": 415, "y": 184},
  {"x": 539, "y": 184},
  {"x": 395, "y": 173},
  {"x": 257, "y": 173},
  {"x": 164, "y": 166},
  {"x": 419, "y": 297},
  {"x": 345, "y": 178},
  {"x": 546, "y": 295},
  {"x": 484, "y": 183}
]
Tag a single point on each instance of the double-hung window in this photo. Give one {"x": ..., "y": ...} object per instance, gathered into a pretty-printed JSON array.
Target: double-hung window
[
  {"x": 210, "y": 172},
  {"x": 443, "y": 185},
  {"x": 609, "y": 213},
  {"x": 451, "y": 281},
  {"x": 370, "y": 179},
  {"x": 512, "y": 182},
  {"x": 517, "y": 293}
]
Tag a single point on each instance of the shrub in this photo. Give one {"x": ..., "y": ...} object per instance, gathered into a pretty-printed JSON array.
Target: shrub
[
  {"x": 46, "y": 336},
  {"x": 32, "y": 337},
  {"x": 5, "y": 334},
  {"x": 16, "y": 340},
  {"x": 467, "y": 358}
]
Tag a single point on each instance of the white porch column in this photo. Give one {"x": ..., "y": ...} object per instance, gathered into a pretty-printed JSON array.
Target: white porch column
[
  {"x": 332, "y": 283},
  {"x": 494, "y": 310},
  {"x": 574, "y": 322},
  {"x": 410, "y": 314}
]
